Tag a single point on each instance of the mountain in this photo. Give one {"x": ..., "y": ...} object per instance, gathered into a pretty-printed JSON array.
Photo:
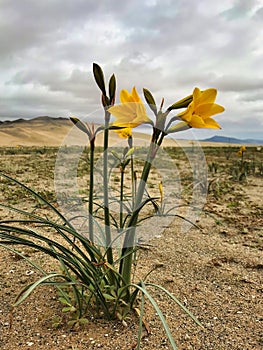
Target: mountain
[
  {"x": 47, "y": 131},
  {"x": 39, "y": 131},
  {"x": 231, "y": 140}
]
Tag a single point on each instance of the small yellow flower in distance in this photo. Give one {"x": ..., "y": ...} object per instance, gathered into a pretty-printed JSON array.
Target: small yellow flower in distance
[
  {"x": 199, "y": 111},
  {"x": 131, "y": 112},
  {"x": 241, "y": 150},
  {"x": 124, "y": 133}
]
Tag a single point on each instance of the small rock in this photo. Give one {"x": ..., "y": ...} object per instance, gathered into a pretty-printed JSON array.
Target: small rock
[
  {"x": 29, "y": 343},
  {"x": 244, "y": 231}
]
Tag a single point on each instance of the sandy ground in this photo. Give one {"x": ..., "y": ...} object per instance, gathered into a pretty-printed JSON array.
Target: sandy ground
[{"x": 216, "y": 271}]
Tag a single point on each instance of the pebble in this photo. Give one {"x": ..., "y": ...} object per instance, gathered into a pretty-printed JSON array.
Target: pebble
[{"x": 29, "y": 343}]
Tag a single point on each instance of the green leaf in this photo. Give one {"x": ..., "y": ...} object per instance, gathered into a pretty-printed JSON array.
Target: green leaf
[
  {"x": 130, "y": 152},
  {"x": 112, "y": 88},
  {"x": 80, "y": 125},
  {"x": 183, "y": 103},
  {"x": 127, "y": 162},
  {"x": 108, "y": 297},
  {"x": 150, "y": 100},
  {"x": 99, "y": 78},
  {"x": 64, "y": 301},
  {"x": 142, "y": 288},
  {"x": 115, "y": 154},
  {"x": 25, "y": 292},
  {"x": 122, "y": 291},
  {"x": 71, "y": 323},
  {"x": 141, "y": 312},
  {"x": 178, "y": 127},
  {"x": 69, "y": 309},
  {"x": 83, "y": 321},
  {"x": 177, "y": 302},
  {"x": 38, "y": 196}
]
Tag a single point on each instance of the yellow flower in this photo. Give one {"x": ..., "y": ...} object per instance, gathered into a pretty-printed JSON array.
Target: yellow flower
[
  {"x": 131, "y": 112},
  {"x": 199, "y": 111},
  {"x": 241, "y": 150},
  {"x": 124, "y": 133}
]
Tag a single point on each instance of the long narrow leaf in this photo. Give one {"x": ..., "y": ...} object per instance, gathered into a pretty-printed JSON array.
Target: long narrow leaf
[
  {"x": 13, "y": 250},
  {"x": 177, "y": 302},
  {"x": 140, "y": 324},
  {"x": 159, "y": 312},
  {"x": 35, "y": 194},
  {"x": 25, "y": 292}
]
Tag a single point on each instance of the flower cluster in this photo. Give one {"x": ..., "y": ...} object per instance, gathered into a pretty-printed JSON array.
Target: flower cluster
[{"x": 200, "y": 106}]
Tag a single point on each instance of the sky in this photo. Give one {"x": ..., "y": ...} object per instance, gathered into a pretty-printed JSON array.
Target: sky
[{"x": 167, "y": 46}]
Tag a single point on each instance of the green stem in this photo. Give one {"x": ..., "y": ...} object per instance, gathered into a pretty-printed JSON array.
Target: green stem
[
  {"x": 121, "y": 198},
  {"x": 130, "y": 141},
  {"x": 91, "y": 188},
  {"x": 105, "y": 190},
  {"x": 129, "y": 240}
]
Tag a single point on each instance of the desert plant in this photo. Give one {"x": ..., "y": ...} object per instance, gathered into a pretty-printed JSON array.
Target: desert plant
[{"x": 92, "y": 274}]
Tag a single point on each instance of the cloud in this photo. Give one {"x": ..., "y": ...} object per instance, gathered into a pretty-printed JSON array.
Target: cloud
[{"x": 47, "y": 50}]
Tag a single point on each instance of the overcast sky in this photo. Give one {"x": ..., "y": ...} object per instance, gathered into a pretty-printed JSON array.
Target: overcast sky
[{"x": 47, "y": 48}]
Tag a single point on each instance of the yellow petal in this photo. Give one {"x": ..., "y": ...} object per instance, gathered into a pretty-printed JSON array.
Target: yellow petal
[
  {"x": 121, "y": 111},
  {"x": 131, "y": 112},
  {"x": 141, "y": 113},
  {"x": 136, "y": 97},
  {"x": 211, "y": 124},
  {"x": 197, "y": 122},
  {"x": 124, "y": 133},
  {"x": 186, "y": 115},
  {"x": 207, "y": 110},
  {"x": 207, "y": 96},
  {"x": 125, "y": 96},
  {"x": 196, "y": 93}
]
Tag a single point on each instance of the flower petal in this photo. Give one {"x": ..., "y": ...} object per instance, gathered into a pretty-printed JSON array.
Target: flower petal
[
  {"x": 131, "y": 112},
  {"x": 209, "y": 109},
  {"x": 124, "y": 133},
  {"x": 206, "y": 96},
  {"x": 135, "y": 96},
  {"x": 121, "y": 111},
  {"x": 197, "y": 122},
  {"x": 187, "y": 114},
  {"x": 125, "y": 96},
  {"x": 211, "y": 124}
]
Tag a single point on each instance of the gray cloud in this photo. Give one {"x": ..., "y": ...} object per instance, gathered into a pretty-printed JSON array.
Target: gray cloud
[{"x": 47, "y": 50}]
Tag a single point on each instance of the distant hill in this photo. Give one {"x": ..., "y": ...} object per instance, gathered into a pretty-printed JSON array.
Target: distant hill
[
  {"x": 48, "y": 131},
  {"x": 39, "y": 131},
  {"x": 231, "y": 140},
  {"x": 41, "y": 119}
]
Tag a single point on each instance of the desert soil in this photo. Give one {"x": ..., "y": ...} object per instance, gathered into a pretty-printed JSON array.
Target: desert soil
[{"x": 215, "y": 271}]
